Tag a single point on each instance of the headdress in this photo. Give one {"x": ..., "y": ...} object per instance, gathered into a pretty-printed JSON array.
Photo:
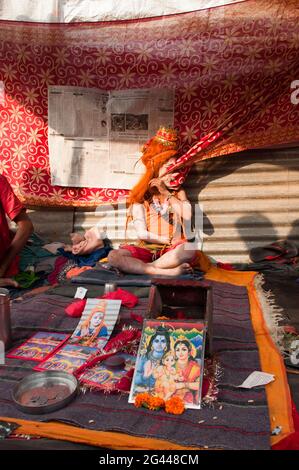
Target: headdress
[
  {"x": 155, "y": 152},
  {"x": 165, "y": 136}
]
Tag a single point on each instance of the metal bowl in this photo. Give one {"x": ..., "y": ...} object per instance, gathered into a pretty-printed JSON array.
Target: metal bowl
[{"x": 45, "y": 392}]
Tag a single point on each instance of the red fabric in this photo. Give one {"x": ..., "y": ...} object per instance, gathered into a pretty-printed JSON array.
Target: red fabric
[
  {"x": 75, "y": 309},
  {"x": 139, "y": 253},
  {"x": 127, "y": 298},
  {"x": 10, "y": 206},
  {"x": 147, "y": 256},
  {"x": 122, "y": 339},
  {"x": 226, "y": 266},
  {"x": 291, "y": 442},
  {"x": 59, "y": 263},
  {"x": 231, "y": 68},
  {"x": 136, "y": 317}
]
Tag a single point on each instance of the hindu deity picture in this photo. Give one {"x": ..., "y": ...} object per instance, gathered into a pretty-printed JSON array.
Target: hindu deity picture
[
  {"x": 97, "y": 322},
  {"x": 170, "y": 361},
  {"x": 68, "y": 358},
  {"x": 39, "y": 346}
]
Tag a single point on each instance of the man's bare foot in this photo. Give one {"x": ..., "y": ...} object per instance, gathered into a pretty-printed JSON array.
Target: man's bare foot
[
  {"x": 67, "y": 247},
  {"x": 76, "y": 238},
  {"x": 183, "y": 268},
  {"x": 8, "y": 282}
]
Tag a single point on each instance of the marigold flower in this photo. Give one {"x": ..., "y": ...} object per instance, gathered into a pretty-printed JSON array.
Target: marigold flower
[
  {"x": 155, "y": 403},
  {"x": 142, "y": 399},
  {"x": 174, "y": 406}
]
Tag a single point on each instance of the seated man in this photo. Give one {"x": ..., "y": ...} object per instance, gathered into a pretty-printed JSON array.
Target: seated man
[
  {"x": 11, "y": 244},
  {"x": 160, "y": 211}
]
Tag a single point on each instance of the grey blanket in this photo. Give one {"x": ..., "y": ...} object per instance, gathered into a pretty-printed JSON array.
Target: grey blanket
[{"x": 239, "y": 420}]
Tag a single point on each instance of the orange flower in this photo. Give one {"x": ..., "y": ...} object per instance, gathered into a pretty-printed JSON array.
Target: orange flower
[
  {"x": 155, "y": 403},
  {"x": 142, "y": 399},
  {"x": 148, "y": 401},
  {"x": 175, "y": 406}
]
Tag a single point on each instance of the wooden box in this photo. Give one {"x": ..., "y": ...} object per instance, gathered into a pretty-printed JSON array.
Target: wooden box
[{"x": 176, "y": 298}]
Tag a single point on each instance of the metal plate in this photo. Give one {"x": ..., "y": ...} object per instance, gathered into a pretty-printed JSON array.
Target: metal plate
[{"x": 44, "y": 392}]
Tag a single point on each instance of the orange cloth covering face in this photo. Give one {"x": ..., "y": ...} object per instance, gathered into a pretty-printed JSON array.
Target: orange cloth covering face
[{"x": 155, "y": 154}]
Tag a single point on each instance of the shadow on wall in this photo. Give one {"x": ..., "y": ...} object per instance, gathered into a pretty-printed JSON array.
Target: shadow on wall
[
  {"x": 254, "y": 227},
  {"x": 269, "y": 235}
]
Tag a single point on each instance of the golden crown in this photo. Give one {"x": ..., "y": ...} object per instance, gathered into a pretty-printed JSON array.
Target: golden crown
[{"x": 166, "y": 135}]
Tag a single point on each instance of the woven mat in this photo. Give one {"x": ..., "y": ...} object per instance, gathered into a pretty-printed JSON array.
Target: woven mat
[{"x": 239, "y": 420}]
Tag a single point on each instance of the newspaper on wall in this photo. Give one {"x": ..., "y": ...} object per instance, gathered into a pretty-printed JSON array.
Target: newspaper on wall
[{"x": 95, "y": 136}]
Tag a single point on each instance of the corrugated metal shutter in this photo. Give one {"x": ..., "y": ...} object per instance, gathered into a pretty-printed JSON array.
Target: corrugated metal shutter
[
  {"x": 52, "y": 224},
  {"x": 249, "y": 199}
]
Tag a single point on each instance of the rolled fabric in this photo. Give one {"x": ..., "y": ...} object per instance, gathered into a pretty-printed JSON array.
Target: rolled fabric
[
  {"x": 75, "y": 309},
  {"x": 127, "y": 298}
]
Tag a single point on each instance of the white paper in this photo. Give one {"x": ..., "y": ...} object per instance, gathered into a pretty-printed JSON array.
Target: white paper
[
  {"x": 53, "y": 247},
  {"x": 80, "y": 293},
  {"x": 256, "y": 379},
  {"x": 95, "y": 136}
]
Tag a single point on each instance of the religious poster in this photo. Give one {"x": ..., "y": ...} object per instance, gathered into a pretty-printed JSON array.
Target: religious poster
[
  {"x": 104, "y": 377},
  {"x": 39, "y": 346},
  {"x": 68, "y": 358},
  {"x": 96, "y": 323},
  {"x": 170, "y": 361}
]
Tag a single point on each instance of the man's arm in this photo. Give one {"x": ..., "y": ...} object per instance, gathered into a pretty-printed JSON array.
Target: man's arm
[
  {"x": 180, "y": 204},
  {"x": 141, "y": 229},
  {"x": 24, "y": 230}
]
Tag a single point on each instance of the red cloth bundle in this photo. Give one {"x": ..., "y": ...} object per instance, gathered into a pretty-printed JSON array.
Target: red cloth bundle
[
  {"x": 75, "y": 309},
  {"x": 128, "y": 299}
]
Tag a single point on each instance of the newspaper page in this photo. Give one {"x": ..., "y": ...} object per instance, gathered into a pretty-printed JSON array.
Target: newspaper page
[
  {"x": 95, "y": 136},
  {"x": 135, "y": 116},
  {"x": 78, "y": 135}
]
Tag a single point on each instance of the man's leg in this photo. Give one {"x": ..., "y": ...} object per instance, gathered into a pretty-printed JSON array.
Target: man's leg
[
  {"x": 123, "y": 260},
  {"x": 183, "y": 253}
]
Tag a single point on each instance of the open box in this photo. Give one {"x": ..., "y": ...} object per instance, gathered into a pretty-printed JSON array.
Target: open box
[{"x": 173, "y": 298}]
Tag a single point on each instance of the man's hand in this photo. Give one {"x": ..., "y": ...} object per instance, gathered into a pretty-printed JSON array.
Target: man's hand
[
  {"x": 24, "y": 230},
  {"x": 8, "y": 282},
  {"x": 2, "y": 271},
  {"x": 160, "y": 186}
]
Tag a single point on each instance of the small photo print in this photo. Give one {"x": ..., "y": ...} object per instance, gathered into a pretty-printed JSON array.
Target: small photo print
[
  {"x": 97, "y": 323},
  {"x": 136, "y": 122},
  {"x": 118, "y": 122},
  {"x": 106, "y": 378},
  {"x": 39, "y": 346},
  {"x": 68, "y": 359},
  {"x": 170, "y": 361}
]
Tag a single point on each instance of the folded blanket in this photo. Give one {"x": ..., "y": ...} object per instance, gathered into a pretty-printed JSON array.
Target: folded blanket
[{"x": 86, "y": 260}]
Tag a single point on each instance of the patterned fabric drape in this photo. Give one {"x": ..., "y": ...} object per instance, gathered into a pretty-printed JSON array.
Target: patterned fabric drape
[{"x": 231, "y": 67}]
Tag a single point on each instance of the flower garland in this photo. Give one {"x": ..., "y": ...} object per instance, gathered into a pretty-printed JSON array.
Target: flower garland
[{"x": 174, "y": 405}]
